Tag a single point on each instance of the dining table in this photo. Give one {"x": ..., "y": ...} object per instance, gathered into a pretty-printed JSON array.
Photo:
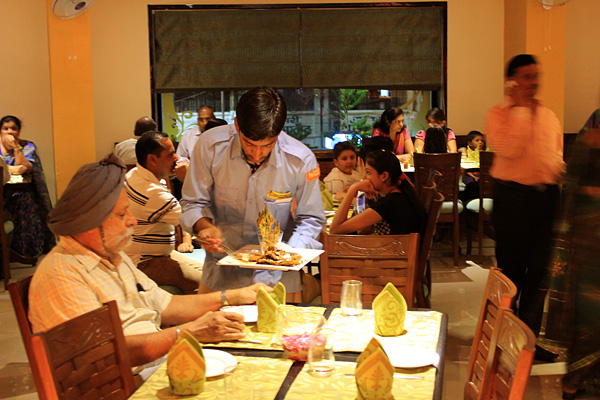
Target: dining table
[{"x": 417, "y": 354}]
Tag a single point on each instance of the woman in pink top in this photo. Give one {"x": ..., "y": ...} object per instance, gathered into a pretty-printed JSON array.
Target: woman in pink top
[
  {"x": 391, "y": 125},
  {"x": 436, "y": 117}
]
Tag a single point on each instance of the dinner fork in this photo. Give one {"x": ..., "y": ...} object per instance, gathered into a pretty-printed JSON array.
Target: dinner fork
[{"x": 222, "y": 245}]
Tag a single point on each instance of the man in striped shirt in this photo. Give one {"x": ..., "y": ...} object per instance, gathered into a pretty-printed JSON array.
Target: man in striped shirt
[{"x": 157, "y": 212}]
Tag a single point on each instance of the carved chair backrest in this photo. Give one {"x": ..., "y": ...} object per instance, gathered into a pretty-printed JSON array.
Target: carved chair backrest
[
  {"x": 373, "y": 259},
  {"x": 499, "y": 293}
]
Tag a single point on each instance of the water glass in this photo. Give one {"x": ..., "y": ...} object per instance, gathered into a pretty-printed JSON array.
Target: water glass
[
  {"x": 296, "y": 327},
  {"x": 321, "y": 361},
  {"x": 351, "y": 298},
  {"x": 238, "y": 383},
  {"x": 279, "y": 320}
]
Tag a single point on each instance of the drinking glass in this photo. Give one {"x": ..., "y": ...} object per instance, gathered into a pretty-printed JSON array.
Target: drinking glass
[
  {"x": 351, "y": 298},
  {"x": 238, "y": 383},
  {"x": 296, "y": 327},
  {"x": 321, "y": 361},
  {"x": 279, "y": 319}
]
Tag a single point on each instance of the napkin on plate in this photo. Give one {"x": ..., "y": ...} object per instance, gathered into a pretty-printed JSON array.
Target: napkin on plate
[
  {"x": 390, "y": 312},
  {"x": 267, "y": 305},
  {"x": 186, "y": 366},
  {"x": 374, "y": 374}
]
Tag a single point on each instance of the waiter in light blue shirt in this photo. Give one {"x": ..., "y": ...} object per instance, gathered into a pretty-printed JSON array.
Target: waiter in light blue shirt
[{"x": 233, "y": 169}]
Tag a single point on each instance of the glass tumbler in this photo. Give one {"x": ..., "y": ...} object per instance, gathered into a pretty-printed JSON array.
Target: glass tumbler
[
  {"x": 351, "y": 298},
  {"x": 296, "y": 328},
  {"x": 321, "y": 361}
]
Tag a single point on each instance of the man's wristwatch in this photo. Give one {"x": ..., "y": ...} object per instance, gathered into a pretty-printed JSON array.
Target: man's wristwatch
[{"x": 224, "y": 301}]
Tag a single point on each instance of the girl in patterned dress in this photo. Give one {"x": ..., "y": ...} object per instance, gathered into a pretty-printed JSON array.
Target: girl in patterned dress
[{"x": 27, "y": 205}]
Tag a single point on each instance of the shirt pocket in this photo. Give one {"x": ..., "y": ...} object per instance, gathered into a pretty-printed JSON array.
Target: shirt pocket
[{"x": 280, "y": 209}]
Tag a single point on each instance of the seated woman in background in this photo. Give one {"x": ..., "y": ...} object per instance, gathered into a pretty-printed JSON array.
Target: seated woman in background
[
  {"x": 436, "y": 117},
  {"x": 435, "y": 141},
  {"x": 398, "y": 211},
  {"x": 27, "y": 205},
  {"x": 391, "y": 125}
]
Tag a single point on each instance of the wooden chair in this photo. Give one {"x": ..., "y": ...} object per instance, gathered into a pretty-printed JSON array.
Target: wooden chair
[
  {"x": 85, "y": 357},
  {"x": 499, "y": 293},
  {"x": 448, "y": 165},
  {"x": 423, "y": 284},
  {"x": 373, "y": 259},
  {"x": 509, "y": 362},
  {"x": 427, "y": 193},
  {"x": 481, "y": 208},
  {"x": 6, "y": 227}
]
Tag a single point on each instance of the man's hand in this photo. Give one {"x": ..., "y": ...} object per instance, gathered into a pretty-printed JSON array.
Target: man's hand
[
  {"x": 217, "y": 326},
  {"x": 185, "y": 248},
  {"x": 180, "y": 170},
  {"x": 246, "y": 295},
  {"x": 211, "y": 238}
]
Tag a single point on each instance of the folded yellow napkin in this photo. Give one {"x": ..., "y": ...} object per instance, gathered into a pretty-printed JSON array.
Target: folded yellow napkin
[
  {"x": 374, "y": 374},
  {"x": 186, "y": 366},
  {"x": 267, "y": 305},
  {"x": 390, "y": 312}
]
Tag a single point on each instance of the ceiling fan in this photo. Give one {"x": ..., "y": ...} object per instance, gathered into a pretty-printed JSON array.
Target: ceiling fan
[
  {"x": 548, "y": 4},
  {"x": 70, "y": 8}
]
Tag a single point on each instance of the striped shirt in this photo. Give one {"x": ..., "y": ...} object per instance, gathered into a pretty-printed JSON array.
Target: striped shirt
[
  {"x": 72, "y": 280},
  {"x": 156, "y": 211}
]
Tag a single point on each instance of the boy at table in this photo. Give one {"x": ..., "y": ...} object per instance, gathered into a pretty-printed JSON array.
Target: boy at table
[{"x": 344, "y": 174}]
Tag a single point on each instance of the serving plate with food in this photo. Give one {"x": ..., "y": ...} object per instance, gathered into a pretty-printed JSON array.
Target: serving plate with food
[{"x": 271, "y": 253}]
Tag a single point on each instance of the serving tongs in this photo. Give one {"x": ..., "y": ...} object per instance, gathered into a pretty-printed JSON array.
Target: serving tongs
[{"x": 222, "y": 245}]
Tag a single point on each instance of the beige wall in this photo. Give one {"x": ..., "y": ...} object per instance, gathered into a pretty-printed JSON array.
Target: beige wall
[
  {"x": 25, "y": 76},
  {"x": 582, "y": 62},
  {"x": 121, "y": 79}
]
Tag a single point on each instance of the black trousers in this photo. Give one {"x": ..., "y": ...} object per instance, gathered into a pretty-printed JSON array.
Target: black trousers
[{"x": 523, "y": 218}]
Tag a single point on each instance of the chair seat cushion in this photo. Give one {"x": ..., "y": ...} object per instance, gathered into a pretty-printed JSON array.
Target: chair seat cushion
[
  {"x": 473, "y": 205},
  {"x": 447, "y": 207},
  {"x": 8, "y": 227}
]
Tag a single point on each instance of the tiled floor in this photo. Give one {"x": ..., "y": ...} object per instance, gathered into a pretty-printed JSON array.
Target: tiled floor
[{"x": 456, "y": 291}]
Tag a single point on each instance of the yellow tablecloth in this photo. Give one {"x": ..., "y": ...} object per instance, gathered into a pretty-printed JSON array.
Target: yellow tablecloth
[
  {"x": 341, "y": 386},
  {"x": 353, "y": 333},
  {"x": 264, "y": 341},
  {"x": 157, "y": 386}
]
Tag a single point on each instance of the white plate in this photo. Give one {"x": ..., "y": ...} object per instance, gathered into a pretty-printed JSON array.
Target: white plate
[
  {"x": 329, "y": 213},
  {"x": 217, "y": 361},
  {"x": 307, "y": 256},
  {"x": 250, "y": 313},
  {"x": 411, "y": 357}
]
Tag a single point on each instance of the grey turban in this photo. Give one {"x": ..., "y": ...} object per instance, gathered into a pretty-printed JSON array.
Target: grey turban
[{"x": 90, "y": 197}]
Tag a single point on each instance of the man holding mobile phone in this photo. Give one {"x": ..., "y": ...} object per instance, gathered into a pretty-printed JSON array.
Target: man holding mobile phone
[{"x": 527, "y": 139}]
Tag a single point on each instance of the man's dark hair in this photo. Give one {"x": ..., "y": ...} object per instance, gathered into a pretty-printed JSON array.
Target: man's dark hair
[
  {"x": 519, "y": 61},
  {"x": 213, "y": 123},
  {"x": 342, "y": 146},
  {"x": 143, "y": 125},
  {"x": 261, "y": 113},
  {"x": 149, "y": 143},
  {"x": 472, "y": 135}
]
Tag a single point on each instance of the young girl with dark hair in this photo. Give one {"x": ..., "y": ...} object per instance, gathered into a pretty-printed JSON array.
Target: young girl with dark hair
[
  {"x": 391, "y": 125},
  {"x": 436, "y": 117},
  {"x": 435, "y": 141},
  {"x": 397, "y": 212}
]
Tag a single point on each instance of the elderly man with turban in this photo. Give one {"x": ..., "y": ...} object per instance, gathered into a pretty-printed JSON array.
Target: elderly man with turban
[{"x": 88, "y": 268}]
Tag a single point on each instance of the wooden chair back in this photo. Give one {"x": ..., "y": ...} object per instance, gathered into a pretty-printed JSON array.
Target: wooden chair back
[
  {"x": 448, "y": 165},
  {"x": 85, "y": 357},
  {"x": 427, "y": 193},
  {"x": 423, "y": 284},
  {"x": 373, "y": 259},
  {"x": 509, "y": 362},
  {"x": 4, "y": 231},
  {"x": 486, "y": 186},
  {"x": 499, "y": 293},
  {"x": 19, "y": 294}
]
